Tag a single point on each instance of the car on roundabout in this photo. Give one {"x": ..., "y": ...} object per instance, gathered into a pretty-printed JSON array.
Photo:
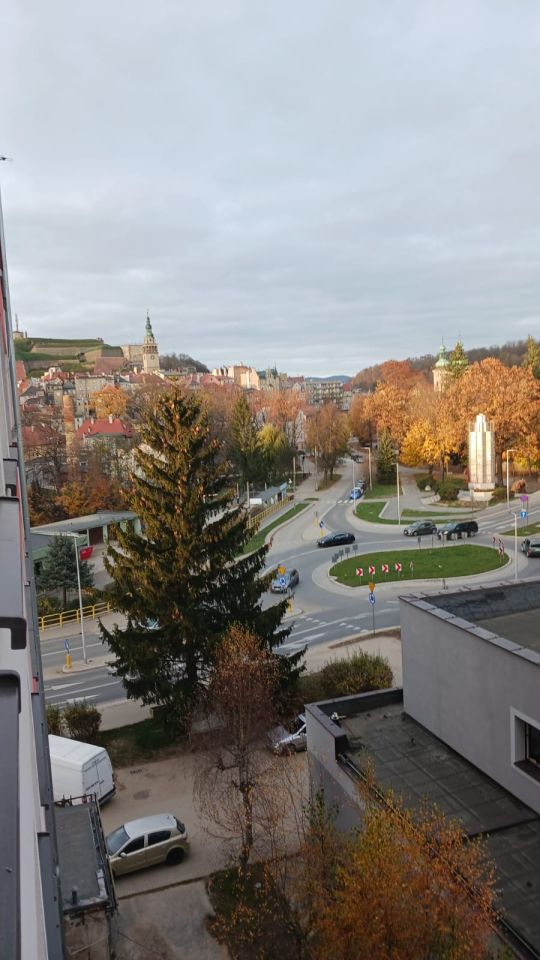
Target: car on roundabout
[
  {"x": 336, "y": 539},
  {"x": 531, "y": 548},
  {"x": 458, "y": 530},
  {"x": 146, "y": 842},
  {"x": 421, "y": 528},
  {"x": 286, "y": 581}
]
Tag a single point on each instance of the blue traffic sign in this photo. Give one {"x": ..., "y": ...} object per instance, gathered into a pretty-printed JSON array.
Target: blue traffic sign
[
  {"x": 282, "y": 581},
  {"x": 371, "y": 598},
  {"x": 523, "y": 514},
  {"x": 66, "y": 645}
]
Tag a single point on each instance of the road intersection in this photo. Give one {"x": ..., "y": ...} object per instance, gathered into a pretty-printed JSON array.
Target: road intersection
[{"x": 322, "y": 609}]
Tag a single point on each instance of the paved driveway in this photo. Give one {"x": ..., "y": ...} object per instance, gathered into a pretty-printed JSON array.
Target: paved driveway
[{"x": 167, "y": 786}]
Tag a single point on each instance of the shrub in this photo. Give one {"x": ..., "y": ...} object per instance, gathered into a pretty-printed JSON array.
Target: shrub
[
  {"x": 55, "y": 720},
  {"x": 358, "y": 673},
  {"x": 82, "y": 720},
  {"x": 428, "y": 481},
  {"x": 519, "y": 486},
  {"x": 447, "y": 491},
  {"x": 47, "y": 605},
  {"x": 499, "y": 495}
]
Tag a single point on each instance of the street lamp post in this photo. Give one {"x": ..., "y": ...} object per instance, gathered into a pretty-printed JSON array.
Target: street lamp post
[
  {"x": 76, "y": 545},
  {"x": 515, "y": 516},
  {"x": 397, "y": 481},
  {"x": 365, "y": 447},
  {"x": 509, "y": 451}
]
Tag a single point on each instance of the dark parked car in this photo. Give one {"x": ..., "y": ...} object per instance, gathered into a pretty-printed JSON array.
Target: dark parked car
[
  {"x": 286, "y": 581},
  {"x": 458, "y": 530},
  {"x": 531, "y": 547},
  {"x": 422, "y": 528},
  {"x": 336, "y": 539}
]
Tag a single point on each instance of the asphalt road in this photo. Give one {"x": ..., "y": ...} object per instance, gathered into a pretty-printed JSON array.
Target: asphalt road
[{"x": 321, "y": 610}]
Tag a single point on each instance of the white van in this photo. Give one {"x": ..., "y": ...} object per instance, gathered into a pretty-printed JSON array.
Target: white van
[{"x": 79, "y": 769}]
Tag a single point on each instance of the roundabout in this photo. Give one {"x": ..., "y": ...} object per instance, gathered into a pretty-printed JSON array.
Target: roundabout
[{"x": 406, "y": 566}]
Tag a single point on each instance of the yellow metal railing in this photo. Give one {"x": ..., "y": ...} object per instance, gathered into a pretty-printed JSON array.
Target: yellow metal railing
[
  {"x": 268, "y": 511},
  {"x": 74, "y": 616}
]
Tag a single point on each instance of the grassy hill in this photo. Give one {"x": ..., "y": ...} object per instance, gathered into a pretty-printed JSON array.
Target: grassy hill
[{"x": 40, "y": 353}]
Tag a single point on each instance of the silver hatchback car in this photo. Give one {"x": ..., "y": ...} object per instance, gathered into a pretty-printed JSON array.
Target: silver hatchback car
[
  {"x": 290, "y": 739},
  {"x": 146, "y": 842}
]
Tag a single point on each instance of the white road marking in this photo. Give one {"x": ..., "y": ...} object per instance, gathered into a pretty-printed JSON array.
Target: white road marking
[
  {"x": 72, "y": 649},
  {"x": 314, "y": 636},
  {"x": 62, "y": 686}
]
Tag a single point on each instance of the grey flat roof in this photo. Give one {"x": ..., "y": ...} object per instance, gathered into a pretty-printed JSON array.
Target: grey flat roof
[
  {"x": 416, "y": 765},
  {"x": 521, "y": 628},
  {"x": 505, "y": 613},
  {"x": 80, "y": 863}
]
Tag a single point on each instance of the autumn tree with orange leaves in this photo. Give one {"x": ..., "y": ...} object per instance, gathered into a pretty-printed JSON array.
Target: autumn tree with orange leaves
[
  {"x": 508, "y": 396},
  {"x": 328, "y": 434},
  {"x": 111, "y": 401},
  {"x": 408, "y": 886}
]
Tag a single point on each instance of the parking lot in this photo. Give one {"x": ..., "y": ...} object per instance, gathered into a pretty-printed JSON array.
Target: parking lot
[{"x": 166, "y": 786}]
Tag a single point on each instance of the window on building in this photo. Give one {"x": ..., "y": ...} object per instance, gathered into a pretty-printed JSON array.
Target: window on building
[
  {"x": 532, "y": 744},
  {"x": 527, "y": 746}
]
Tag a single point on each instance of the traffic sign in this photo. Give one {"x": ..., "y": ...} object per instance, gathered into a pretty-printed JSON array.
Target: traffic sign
[
  {"x": 281, "y": 570},
  {"x": 66, "y": 645},
  {"x": 371, "y": 598},
  {"x": 282, "y": 581},
  {"x": 523, "y": 514},
  {"x": 359, "y": 571},
  {"x": 371, "y": 585}
]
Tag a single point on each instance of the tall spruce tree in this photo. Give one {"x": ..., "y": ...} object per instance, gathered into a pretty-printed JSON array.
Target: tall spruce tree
[
  {"x": 458, "y": 361},
  {"x": 59, "y": 570},
  {"x": 532, "y": 357},
  {"x": 243, "y": 444},
  {"x": 386, "y": 459},
  {"x": 183, "y": 582}
]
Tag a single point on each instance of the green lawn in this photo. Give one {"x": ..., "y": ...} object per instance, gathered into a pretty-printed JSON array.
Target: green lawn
[
  {"x": 258, "y": 539},
  {"x": 448, "y": 560},
  {"x": 380, "y": 490},
  {"x": 438, "y": 516},
  {"x": 371, "y": 512},
  {"x": 525, "y": 531},
  {"x": 138, "y": 742}
]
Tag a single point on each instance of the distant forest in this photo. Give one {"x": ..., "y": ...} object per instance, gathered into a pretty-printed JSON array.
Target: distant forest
[
  {"x": 511, "y": 354},
  {"x": 181, "y": 361}
]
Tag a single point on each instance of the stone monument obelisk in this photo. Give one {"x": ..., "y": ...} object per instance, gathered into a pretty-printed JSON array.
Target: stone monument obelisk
[{"x": 481, "y": 458}]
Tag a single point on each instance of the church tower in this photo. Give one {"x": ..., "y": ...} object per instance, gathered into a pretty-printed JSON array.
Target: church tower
[
  {"x": 150, "y": 349},
  {"x": 441, "y": 370}
]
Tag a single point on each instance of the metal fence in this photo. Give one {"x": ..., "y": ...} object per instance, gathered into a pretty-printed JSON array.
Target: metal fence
[
  {"x": 254, "y": 522},
  {"x": 73, "y": 616}
]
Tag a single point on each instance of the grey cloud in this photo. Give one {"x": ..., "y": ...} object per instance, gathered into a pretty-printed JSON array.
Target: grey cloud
[{"x": 320, "y": 186}]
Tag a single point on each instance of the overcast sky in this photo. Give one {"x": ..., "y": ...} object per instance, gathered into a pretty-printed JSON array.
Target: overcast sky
[{"x": 322, "y": 185}]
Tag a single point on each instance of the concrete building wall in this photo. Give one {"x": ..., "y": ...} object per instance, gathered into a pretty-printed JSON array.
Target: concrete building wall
[{"x": 469, "y": 688}]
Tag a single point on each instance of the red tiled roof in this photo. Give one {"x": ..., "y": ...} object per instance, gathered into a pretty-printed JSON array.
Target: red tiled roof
[
  {"x": 38, "y": 435},
  {"x": 104, "y": 427}
]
